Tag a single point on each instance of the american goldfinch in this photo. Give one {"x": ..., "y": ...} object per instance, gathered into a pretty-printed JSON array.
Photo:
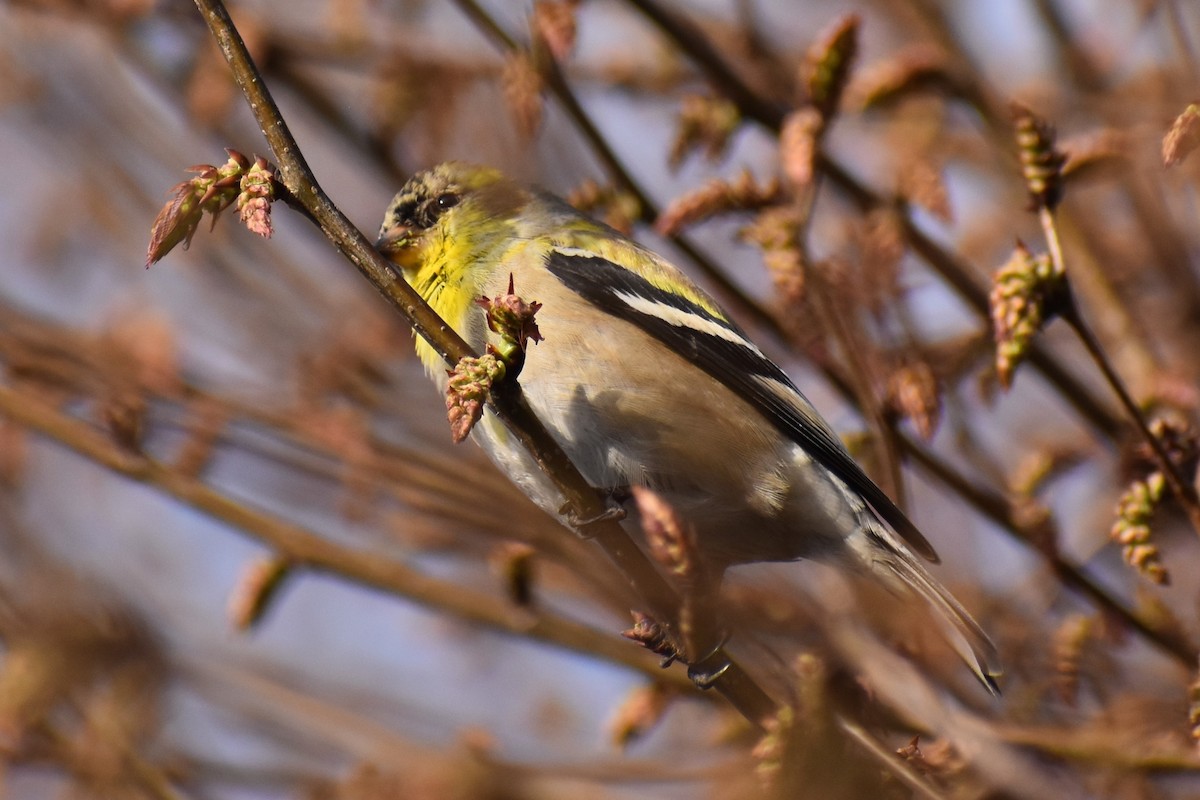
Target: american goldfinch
[{"x": 644, "y": 381}]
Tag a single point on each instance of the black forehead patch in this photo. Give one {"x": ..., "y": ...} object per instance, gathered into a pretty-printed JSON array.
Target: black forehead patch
[{"x": 422, "y": 201}]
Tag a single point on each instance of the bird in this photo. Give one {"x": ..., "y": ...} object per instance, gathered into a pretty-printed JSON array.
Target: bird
[{"x": 644, "y": 381}]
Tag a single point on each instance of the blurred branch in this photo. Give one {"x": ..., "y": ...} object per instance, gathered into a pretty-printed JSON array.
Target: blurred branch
[
  {"x": 997, "y": 508},
  {"x": 306, "y": 549},
  {"x": 299, "y": 438},
  {"x": 507, "y": 402},
  {"x": 692, "y": 41},
  {"x": 956, "y": 272},
  {"x": 1179, "y": 34},
  {"x": 276, "y": 702},
  {"x": 1079, "y": 63},
  {"x": 1000, "y": 510},
  {"x": 1104, "y": 748},
  {"x": 146, "y": 775}
]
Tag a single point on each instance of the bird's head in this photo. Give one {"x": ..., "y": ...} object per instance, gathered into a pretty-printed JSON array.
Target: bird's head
[{"x": 451, "y": 206}]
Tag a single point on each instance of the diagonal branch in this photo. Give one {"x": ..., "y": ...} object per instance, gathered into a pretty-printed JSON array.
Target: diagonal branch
[
  {"x": 1183, "y": 489},
  {"x": 508, "y": 402}
]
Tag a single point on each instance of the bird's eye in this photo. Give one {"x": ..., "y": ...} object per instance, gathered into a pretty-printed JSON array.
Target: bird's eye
[
  {"x": 431, "y": 209},
  {"x": 427, "y": 214}
]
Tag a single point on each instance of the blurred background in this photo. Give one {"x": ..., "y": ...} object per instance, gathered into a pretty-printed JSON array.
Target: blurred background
[{"x": 241, "y": 557}]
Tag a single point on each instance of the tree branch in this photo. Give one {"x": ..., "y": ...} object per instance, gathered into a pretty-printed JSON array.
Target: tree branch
[
  {"x": 310, "y": 550},
  {"x": 507, "y": 402}
]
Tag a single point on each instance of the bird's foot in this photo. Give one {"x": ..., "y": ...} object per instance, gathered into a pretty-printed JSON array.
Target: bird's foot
[
  {"x": 614, "y": 512},
  {"x": 708, "y": 669}
]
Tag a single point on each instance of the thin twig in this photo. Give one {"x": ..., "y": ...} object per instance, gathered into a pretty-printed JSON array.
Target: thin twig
[
  {"x": 1103, "y": 749},
  {"x": 888, "y": 760},
  {"x": 692, "y": 41},
  {"x": 1183, "y": 489},
  {"x": 862, "y": 389},
  {"x": 1079, "y": 63}
]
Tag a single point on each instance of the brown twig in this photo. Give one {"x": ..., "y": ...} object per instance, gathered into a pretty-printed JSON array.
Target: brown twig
[
  {"x": 887, "y": 759},
  {"x": 691, "y": 40},
  {"x": 1183, "y": 489},
  {"x": 309, "y": 550},
  {"x": 1179, "y": 35},
  {"x": 1079, "y": 63},
  {"x": 1103, "y": 751}
]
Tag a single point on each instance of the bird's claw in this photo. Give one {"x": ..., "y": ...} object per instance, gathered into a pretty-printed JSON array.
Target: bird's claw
[
  {"x": 580, "y": 525},
  {"x": 706, "y": 675},
  {"x": 708, "y": 669}
]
